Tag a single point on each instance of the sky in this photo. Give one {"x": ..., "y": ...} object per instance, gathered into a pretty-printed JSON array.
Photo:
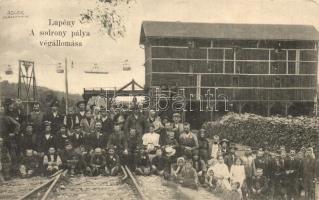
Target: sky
[{"x": 17, "y": 42}]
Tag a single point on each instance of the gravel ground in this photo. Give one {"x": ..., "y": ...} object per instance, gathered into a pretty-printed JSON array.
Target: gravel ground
[
  {"x": 98, "y": 188},
  {"x": 156, "y": 188},
  {"x": 15, "y": 188}
]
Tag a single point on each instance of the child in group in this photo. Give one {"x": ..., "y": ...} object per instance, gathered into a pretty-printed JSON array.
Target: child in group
[
  {"x": 159, "y": 163},
  {"x": 51, "y": 162},
  {"x": 177, "y": 168},
  {"x": 222, "y": 174},
  {"x": 234, "y": 194},
  {"x": 259, "y": 186},
  {"x": 143, "y": 164},
  {"x": 112, "y": 162},
  {"x": 98, "y": 162},
  {"x": 169, "y": 154},
  {"x": 237, "y": 172},
  {"x": 200, "y": 167},
  {"x": 210, "y": 179},
  {"x": 29, "y": 164},
  {"x": 189, "y": 176}
]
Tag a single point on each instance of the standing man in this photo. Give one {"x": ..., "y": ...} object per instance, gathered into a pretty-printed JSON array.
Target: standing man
[
  {"x": 292, "y": 169},
  {"x": 54, "y": 117},
  {"x": 36, "y": 117},
  {"x": 80, "y": 114},
  {"x": 136, "y": 121},
  {"x": 308, "y": 174},
  {"x": 178, "y": 127},
  {"x": 107, "y": 122}
]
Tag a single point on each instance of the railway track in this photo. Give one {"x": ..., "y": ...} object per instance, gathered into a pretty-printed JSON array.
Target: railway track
[
  {"x": 33, "y": 188},
  {"x": 128, "y": 187}
]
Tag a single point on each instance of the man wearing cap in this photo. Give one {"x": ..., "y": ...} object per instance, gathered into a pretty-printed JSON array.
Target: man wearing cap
[
  {"x": 134, "y": 142},
  {"x": 136, "y": 121},
  {"x": 54, "y": 117},
  {"x": 47, "y": 139},
  {"x": 188, "y": 142},
  {"x": 178, "y": 127}
]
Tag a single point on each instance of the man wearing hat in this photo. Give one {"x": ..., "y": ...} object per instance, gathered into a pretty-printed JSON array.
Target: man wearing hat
[
  {"x": 224, "y": 148},
  {"x": 47, "y": 139},
  {"x": 136, "y": 121},
  {"x": 178, "y": 126},
  {"x": 54, "y": 117},
  {"x": 97, "y": 138}
]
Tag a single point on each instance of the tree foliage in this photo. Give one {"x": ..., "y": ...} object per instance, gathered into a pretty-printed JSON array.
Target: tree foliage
[{"x": 110, "y": 15}]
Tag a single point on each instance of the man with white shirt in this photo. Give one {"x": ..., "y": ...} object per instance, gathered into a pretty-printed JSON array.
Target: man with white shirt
[
  {"x": 151, "y": 140},
  {"x": 51, "y": 162},
  {"x": 216, "y": 148}
]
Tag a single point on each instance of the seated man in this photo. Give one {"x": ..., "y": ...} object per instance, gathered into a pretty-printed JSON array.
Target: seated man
[
  {"x": 188, "y": 142},
  {"x": 151, "y": 140},
  {"x": 51, "y": 162},
  {"x": 112, "y": 162},
  {"x": 69, "y": 158},
  {"x": 159, "y": 163},
  {"x": 28, "y": 165},
  {"x": 142, "y": 163},
  {"x": 98, "y": 162},
  {"x": 84, "y": 162}
]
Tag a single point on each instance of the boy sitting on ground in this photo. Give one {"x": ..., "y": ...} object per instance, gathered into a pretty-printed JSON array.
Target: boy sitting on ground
[
  {"x": 143, "y": 165},
  {"x": 51, "y": 162},
  {"x": 189, "y": 176},
  {"x": 112, "y": 162}
]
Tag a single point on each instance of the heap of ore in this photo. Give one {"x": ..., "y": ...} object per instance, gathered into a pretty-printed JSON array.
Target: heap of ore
[{"x": 258, "y": 131}]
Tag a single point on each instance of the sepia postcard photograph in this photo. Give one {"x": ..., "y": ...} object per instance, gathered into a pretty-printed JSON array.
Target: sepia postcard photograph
[{"x": 159, "y": 99}]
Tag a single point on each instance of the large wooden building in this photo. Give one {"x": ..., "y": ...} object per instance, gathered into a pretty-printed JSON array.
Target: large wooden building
[{"x": 259, "y": 68}]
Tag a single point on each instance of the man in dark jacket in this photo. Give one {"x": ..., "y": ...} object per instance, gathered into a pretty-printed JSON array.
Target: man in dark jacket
[
  {"x": 292, "y": 169},
  {"x": 136, "y": 121},
  {"x": 54, "y": 117},
  {"x": 107, "y": 122}
]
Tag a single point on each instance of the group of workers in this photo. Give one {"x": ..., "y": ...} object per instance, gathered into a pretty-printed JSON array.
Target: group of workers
[{"x": 92, "y": 141}]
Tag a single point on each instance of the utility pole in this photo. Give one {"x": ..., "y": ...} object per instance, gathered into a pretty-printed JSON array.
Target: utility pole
[{"x": 66, "y": 87}]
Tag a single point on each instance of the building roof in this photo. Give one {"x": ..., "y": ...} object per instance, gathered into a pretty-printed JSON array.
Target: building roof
[{"x": 158, "y": 29}]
